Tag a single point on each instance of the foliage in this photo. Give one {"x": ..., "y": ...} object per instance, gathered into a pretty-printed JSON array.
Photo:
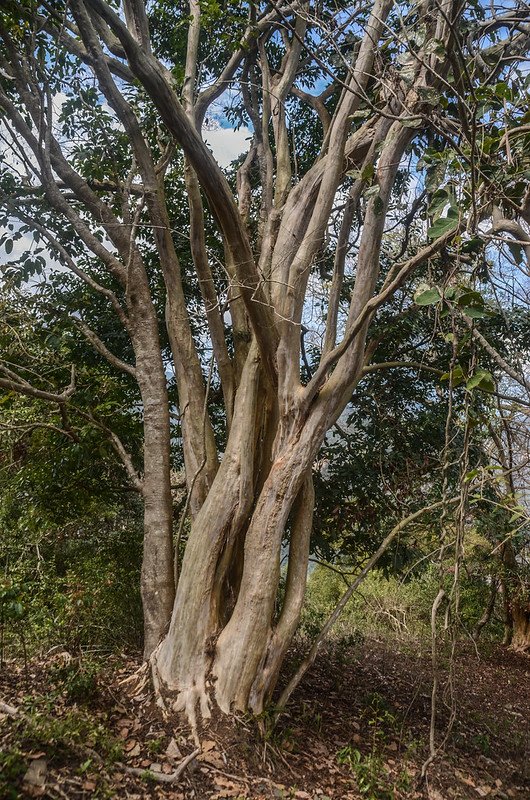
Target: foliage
[
  {"x": 389, "y": 607},
  {"x": 78, "y": 583},
  {"x": 69, "y": 733}
]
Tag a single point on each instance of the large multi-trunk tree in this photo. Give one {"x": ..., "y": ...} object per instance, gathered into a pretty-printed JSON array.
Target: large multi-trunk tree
[{"x": 344, "y": 103}]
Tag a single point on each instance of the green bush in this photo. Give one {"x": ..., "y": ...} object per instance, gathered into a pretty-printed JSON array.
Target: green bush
[
  {"x": 77, "y": 590},
  {"x": 390, "y": 606}
]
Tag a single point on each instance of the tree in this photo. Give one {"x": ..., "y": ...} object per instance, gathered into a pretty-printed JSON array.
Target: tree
[{"x": 378, "y": 90}]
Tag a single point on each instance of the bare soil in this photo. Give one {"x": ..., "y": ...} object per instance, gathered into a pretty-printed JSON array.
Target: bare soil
[{"x": 358, "y": 727}]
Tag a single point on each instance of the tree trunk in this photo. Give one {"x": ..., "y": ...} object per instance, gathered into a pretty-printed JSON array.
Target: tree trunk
[
  {"x": 157, "y": 579},
  {"x": 488, "y": 611},
  {"x": 232, "y": 651},
  {"x": 240, "y": 661},
  {"x": 521, "y": 626},
  {"x": 516, "y": 602}
]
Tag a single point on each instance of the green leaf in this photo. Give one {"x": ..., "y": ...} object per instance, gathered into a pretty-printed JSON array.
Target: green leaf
[
  {"x": 439, "y": 200},
  {"x": 378, "y": 205},
  {"x": 443, "y": 225},
  {"x": 455, "y": 376},
  {"x": 373, "y": 191},
  {"x": 9, "y": 246},
  {"x": 368, "y": 172},
  {"x": 475, "y": 312},
  {"x": 472, "y": 245},
  {"x": 517, "y": 252},
  {"x": 429, "y": 95},
  {"x": 434, "y": 46},
  {"x": 482, "y": 379},
  {"x": 469, "y": 297},
  {"x": 470, "y": 475},
  {"x": 427, "y": 297}
]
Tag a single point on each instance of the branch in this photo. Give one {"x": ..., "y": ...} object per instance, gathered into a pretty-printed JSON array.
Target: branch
[
  {"x": 27, "y": 428},
  {"x": 162, "y": 777},
  {"x": 333, "y": 617},
  {"x": 405, "y": 364},
  {"x": 67, "y": 259},
  {"x": 315, "y": 101},
  {"x": 516, "y": 230},
  {"x": 495, "y": 355},
  {"x": 153, "y": 77},
  {"x": 102, "y": 349},
  {"x": 119, "y": 448},
  {"x": 18, "y": 384},
  {"x": 215, "y": 90},
  {"x": 372, "y": 305}
]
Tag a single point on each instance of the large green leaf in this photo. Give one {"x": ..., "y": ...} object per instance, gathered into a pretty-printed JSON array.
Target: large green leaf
[
  {"x": 427, "y": 296},
  {"x": 444, "y": 225}
]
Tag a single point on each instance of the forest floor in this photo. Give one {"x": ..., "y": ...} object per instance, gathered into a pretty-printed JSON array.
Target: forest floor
[{"x": 358, "y": 727}]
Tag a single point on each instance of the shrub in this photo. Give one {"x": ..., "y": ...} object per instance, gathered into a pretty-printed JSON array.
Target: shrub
[{"x": 390, "y": 606}]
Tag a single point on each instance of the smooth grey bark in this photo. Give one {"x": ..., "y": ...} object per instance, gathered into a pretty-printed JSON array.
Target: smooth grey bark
[{"x": 157, "y": 577}]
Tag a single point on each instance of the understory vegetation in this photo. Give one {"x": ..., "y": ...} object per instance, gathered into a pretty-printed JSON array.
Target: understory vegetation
[{"x": 362, "y": 715}]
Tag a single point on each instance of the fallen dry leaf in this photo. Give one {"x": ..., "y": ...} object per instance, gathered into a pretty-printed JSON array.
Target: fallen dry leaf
[
  {"x": 434, "y": 794},
  {"x": 212, "y": 757},
  {"x": 134, "y": 751},
  {"x": 36, "y": 772},
  {"x": 173, "y": 750},
  {"x": 208, "y": 744}
]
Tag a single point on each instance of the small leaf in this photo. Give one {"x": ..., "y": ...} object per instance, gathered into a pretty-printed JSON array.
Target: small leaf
[
  {"x": 440, "y": 199},
  {"x": 368, "y": 172},
  {"x": 429, "y": 95},
  {"x": 9, "y": 246},
  {"x": 472, "y": 245},
  {"x": 517, "y": 252},
  {"x": 470, "y": 475},
  {"x": 455, "y": 377},
  {"x": 469, "y": 297},
  {"x": 373, "y": 191}
]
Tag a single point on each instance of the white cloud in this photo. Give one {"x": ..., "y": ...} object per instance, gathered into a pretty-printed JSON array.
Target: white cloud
[{"x": 227, "y": 144}]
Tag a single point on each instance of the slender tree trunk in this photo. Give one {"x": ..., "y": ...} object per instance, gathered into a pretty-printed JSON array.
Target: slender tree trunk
[
  {"x": 157, "y": 579},
  {"x": 516, "y": 602},
  {"x": 488, "y": 611},
  {"x": 508, "y": 622},
  {"x": 183, "y": 660}
]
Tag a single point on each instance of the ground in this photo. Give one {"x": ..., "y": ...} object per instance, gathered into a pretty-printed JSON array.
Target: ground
[{"x": 358, "y": 727}]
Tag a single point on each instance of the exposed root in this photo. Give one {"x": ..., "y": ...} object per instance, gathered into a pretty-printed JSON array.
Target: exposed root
[
  {"x": 10, "y": 711},
  {"x": 187, "y": 701},
  {"x": 157, "y": 685},
  {"x": 141, "y": 676},
  {"x": 188, "y": 696},
  {"x": 173, "y": 777}
]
